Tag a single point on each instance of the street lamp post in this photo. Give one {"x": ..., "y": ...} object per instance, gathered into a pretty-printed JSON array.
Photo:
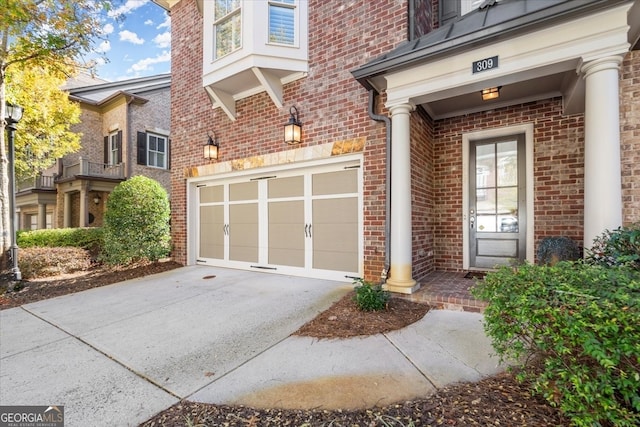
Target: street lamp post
[{"x": 13, "y": 116}]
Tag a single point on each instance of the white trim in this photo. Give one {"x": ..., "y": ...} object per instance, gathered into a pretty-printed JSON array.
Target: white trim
[{"x": 527, "y": 130}]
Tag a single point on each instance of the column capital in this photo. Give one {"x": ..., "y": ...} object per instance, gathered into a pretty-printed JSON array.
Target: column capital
[
  {"x": 612, "y": 62},
  {"x": 401, "y": 108}
]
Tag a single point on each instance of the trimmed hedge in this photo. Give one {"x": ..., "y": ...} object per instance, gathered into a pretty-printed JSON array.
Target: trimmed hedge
[
  {"x": 580, "y": 323},
  {"x": 86, "y": 238},
  {"x": 136, "y": 223}
]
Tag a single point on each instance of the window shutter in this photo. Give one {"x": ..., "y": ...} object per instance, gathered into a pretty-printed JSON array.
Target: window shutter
[
  {"x": 142, "y": 148},
  {"x": 119, "y": 144},
  {"x": 168, "y": 153},
  {"x": 106, "y": 150}
]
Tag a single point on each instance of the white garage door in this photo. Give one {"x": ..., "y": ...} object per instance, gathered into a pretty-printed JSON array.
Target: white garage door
[{"x": 305, "y": 222}]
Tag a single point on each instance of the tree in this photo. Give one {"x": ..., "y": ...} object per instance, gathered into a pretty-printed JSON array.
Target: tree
[
  {"x": 136, "y": 223},
  {"x": 45, "y": 130},
  {"x": 53, "y": 34}
]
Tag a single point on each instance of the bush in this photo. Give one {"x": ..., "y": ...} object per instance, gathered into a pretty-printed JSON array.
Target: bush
[
  {"x": 580, "y": 322},
  {"x": 87, "y": 238},
  {"x": 37, "y": 262},
  {"x": 370, "y": 297},
  {"x": 136, "y": 222},
  {"x": 554, "y": 249},
  {"x": 618, "y": 247}
]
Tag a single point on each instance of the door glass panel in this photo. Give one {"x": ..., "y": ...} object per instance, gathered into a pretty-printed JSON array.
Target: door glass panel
[
  {"x": 507, "y": 164},
  {"x": 508, "y": 209},
  {"x": 485, "y": 166}
]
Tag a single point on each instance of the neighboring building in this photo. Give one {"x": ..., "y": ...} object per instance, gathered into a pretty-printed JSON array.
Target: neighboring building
[
  {"x": 125, "y": 132},
  {"x": 402, "y": 167}
]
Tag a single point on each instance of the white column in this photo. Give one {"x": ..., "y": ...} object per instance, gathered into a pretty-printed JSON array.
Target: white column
[
  {"x": 42, "y": 216},
  {"x": 602, "y": 172},
  {"x": 400, "y": 274}
]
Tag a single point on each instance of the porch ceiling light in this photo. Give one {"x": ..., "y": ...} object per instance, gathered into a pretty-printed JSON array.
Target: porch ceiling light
[
  {"x": 211, "y": 148},
  {"x": 293, "y": 129},
  {"x": 490, "y": 93}
]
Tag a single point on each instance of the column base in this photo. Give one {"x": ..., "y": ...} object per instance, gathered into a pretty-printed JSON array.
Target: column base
[{"x": 401, "y": 286}]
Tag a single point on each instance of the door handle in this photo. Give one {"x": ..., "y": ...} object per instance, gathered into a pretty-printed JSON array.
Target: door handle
[{"x": 472, "y": 218}]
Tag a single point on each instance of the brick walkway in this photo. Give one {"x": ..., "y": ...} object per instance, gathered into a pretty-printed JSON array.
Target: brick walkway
[{"x": 447, "y": 290}]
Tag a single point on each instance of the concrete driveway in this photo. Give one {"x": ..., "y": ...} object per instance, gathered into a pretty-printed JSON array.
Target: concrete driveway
[{"x": 119, "y": 354}]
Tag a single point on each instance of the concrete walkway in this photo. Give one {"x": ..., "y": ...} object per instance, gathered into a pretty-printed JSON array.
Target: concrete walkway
[{"x": 119, "y": 354}]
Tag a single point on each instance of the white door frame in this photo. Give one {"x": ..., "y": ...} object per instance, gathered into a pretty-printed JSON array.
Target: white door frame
[{"x": 467, "y": 138}]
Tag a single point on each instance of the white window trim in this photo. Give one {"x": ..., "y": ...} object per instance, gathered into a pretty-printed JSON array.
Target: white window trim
[
  {"x": 113, "y": 151},
  {"x": 296, "y": 22},
  {"x": 218, "y": 21},
  {"x": 165, "y": 152}
]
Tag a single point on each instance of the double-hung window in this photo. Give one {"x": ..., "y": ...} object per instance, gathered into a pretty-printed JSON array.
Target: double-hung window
[
  {"x": 157, "y": 151},
  {"x": 114, "y": 148},
  {"x": 282, "y": 19},
  {"x": 227, "y": 27}
]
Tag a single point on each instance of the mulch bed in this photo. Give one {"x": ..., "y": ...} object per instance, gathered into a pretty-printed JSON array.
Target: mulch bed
[
  {"x": 36, "y": 290},
  {"x": 344, "y": 320}
]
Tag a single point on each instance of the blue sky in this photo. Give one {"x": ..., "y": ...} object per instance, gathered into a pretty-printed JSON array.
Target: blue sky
[{"x": 138, "y": 45}]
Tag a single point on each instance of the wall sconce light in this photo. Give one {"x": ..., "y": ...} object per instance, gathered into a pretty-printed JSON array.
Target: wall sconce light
[
  {"x": 211, "y": 148},
  {"x": 293, "y": 128},
  {"x": 491, "y": 93},
  {"x": 96, "y": 199}
]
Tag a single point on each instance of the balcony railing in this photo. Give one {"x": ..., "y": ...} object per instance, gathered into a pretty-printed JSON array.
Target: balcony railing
[
  {"x": 84, "y": 167},
  {"x": 40, "y": 182}
]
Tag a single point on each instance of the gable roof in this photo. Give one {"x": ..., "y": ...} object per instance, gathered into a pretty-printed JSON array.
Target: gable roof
[
  {"x": 101, "y": 93},
  {"x": 492, "y": 21}
]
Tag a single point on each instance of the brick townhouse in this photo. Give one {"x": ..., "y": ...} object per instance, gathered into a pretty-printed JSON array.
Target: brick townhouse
[
  {"x": 124, "y": 129},
  {"x": 435, "y": 134}
]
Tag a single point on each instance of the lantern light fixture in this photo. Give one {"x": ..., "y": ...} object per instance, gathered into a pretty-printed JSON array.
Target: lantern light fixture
[
  {"x": 211, "y": 147},
  {"x": 293, "y": 128},
  {"x": 491, "y": 93}
]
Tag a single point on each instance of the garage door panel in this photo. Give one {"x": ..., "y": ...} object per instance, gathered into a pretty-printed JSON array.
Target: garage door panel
[
  {"x": 243, "y": 232},
  {"x": 212, "y": 232},
  {"x": 337, "y": 182},
  {"x": 287, "y": 233},
  {"x": 335, "y": 234}
]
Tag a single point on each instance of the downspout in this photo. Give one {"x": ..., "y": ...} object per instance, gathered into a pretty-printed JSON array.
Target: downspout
[
  {"x": 387, "y": 222},
  {"x": 128, "y": 166}
]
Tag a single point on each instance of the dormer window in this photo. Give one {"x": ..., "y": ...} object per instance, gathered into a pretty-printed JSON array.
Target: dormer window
[
  {"x": 282, "y": 14},
  {"x": 227, "y": 27}
]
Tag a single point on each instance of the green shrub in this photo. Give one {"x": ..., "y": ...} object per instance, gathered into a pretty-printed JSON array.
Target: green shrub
[
  {"x": 136, "y": 222},
  {"x": 558, "y": 248},
  {"x": 38, "y": 262},
  {"x": 370, "y": 297},
  {"x": 618, "y": 247},
  {"x": 580, "y": 323},
  {"x": 87, "y": 238}
]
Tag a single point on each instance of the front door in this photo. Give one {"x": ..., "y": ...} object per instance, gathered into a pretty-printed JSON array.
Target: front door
[{"x": 497, "y": 202}]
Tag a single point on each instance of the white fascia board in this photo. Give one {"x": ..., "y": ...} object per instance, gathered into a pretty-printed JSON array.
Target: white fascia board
[{"x": 544, "y": 52}]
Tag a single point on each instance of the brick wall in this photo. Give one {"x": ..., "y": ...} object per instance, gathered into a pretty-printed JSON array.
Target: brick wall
[
  {"x": 630, "y": 137},
  {"x": 154, "y": 115},
  {"x": 331, "y": 103}
]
